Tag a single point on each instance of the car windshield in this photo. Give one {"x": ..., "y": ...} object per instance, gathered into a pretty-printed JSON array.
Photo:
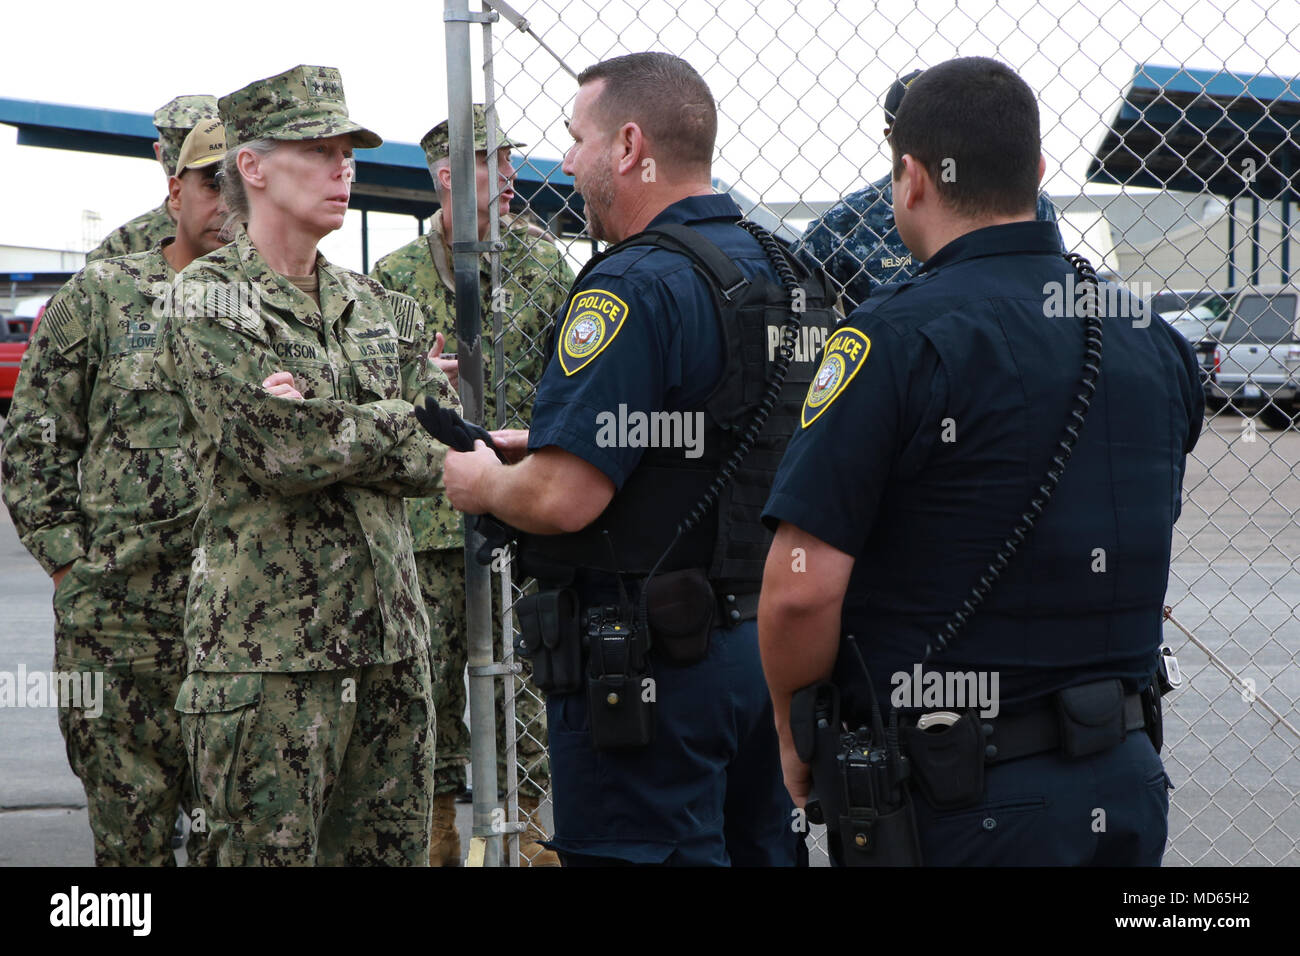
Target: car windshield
[{"x": 1262, "y": 319}]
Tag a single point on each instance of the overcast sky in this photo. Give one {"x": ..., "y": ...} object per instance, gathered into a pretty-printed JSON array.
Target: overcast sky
[{"x": 798, "y": 85}]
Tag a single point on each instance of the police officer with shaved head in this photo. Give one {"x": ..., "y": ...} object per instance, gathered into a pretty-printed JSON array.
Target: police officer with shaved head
[
  {"x": 649, "y": 548},
  {"x": 964, "y": 661}
]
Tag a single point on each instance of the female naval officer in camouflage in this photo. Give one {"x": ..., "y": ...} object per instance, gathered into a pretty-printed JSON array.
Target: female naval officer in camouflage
[{"x": 307, "y": 712}]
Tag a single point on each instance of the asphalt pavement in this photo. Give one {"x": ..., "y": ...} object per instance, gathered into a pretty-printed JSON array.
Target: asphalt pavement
[{"x": 1234, "y": 584}]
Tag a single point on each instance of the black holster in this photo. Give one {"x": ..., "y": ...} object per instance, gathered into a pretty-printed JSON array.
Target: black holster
[
  {"x": 948, "y": 761},
  {"x": 878, "y": 824},
  {"x": 860, "y": 785},
  {"x": 549, "y": 637},
  {"x": 679, "y": 610},
  {"x": 1154, "y": 717},
  {"x": 620, "y": 689}
]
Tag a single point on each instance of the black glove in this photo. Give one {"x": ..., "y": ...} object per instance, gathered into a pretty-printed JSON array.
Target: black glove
[
  {"x": 450, "y": 429},
  {"x": 460, "y": 435},
  {"x": 496, "y": 534}
]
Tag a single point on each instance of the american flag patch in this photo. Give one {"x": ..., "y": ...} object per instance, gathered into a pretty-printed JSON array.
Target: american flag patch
[
  {"x": 224, "y": 304},
  {"x": 406, "y": 311},
  {"x": 64, "y": 325}
]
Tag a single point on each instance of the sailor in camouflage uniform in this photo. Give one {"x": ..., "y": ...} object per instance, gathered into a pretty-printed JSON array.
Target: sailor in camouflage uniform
[
  {"x": 117, "y": 543},
  {"x": 856, "y": 241},
  {"x": 534, "y": 282},
  {"x": 307, "y": 711},
  {"x": 173, "y": 122}
]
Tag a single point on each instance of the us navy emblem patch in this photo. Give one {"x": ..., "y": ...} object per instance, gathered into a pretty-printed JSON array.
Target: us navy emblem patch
[
  {"x": 594, "y": 318},
  {"x": 842, "y": 358}
]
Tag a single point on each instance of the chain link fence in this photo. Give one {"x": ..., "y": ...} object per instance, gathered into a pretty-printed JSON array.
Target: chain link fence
[{"x": 1170, "y": 132}]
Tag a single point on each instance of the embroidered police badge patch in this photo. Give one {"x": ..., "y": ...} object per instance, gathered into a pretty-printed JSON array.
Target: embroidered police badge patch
[
  {"x": 842, "y": 358},
  {"x": 594, "y": 318}
]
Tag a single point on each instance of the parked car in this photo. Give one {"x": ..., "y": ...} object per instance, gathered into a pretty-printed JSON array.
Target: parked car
[
  {"x": 1257, "y": 361},
  {"x": 15, "y": 332},
  {"x": 1172, "y": 301},
  {"x": 1197, "y": 323},
  {"x": 1201, "y": 325}
]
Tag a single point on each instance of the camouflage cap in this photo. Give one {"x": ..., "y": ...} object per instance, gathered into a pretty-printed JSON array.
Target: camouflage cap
[
  {"x": 894, "y": 98},
  {"x": 175, "y": 120},
  {"x": 305, "y": 102},
  {"x": 435, "y": 142}
]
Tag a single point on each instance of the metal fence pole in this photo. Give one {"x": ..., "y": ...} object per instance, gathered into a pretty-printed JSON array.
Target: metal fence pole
[
  {"x": 509, "y": 685},
  {"x": 466, "y": 248}
]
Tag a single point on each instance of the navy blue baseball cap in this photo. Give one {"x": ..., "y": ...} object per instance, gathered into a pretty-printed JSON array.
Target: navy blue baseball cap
[{"x": 894, "y": 98}]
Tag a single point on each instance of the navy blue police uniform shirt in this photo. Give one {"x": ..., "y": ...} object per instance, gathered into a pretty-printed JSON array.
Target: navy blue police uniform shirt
[
  {"x": 857, "y": 242},
  {"x": 642, "y": 332},
  {"x": 930, "y": 424}
]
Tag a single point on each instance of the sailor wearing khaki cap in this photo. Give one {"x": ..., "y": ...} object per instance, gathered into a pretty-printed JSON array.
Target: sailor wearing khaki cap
[
  {"x": 193, "y": 192},
  {"x": 173, "y": 121},
  {"x": 307, "y": 711}
]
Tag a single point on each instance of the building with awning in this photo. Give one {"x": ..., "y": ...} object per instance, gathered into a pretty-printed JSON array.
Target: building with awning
[
  {"x": 390, "y": 179},
  {"x": 1232, "y": 135}
]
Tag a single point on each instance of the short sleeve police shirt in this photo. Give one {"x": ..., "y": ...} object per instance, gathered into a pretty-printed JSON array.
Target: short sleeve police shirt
[
  {"x": 639, "y": 333},
  {"x": 929, "y": 426}
]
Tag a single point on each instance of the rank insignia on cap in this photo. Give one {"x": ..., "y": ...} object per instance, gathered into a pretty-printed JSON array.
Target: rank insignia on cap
[
  {"x": 594, "y": 318},
  {"x": 842, "y": 357}
]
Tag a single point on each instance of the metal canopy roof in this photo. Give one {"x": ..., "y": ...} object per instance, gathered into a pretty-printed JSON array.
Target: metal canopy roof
[
  {"x": 393, "y": 178},
  {"x": 1232, "y": 134}
]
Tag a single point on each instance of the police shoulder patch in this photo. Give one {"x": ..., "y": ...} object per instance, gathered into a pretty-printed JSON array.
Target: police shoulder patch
[
  {"x": 842, "y": 358},
  {"x": 595, "y": 316}
]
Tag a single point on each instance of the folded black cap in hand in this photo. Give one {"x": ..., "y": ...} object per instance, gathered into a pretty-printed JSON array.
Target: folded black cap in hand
[
  {"x": 460, "y": 435},
  {"x": 450, "y": 429}
]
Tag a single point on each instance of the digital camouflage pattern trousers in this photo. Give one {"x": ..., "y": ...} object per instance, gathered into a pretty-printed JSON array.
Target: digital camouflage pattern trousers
[
  {"x": 321, "y": 768},
  {"x": 126, "y": 747},
  {"x": 442, "y": 584}
]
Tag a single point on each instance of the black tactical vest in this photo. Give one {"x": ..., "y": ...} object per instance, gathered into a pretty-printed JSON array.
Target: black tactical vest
[{"x": 728, "y": 539}]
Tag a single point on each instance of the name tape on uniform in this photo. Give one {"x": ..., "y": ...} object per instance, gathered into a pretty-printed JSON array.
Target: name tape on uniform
[
  {"x": 842, "y": 358},
  {"x": 594, "y": 318}
]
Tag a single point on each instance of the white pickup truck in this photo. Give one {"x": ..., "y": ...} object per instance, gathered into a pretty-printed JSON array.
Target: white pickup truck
[{"x": 1257, "y": 360}]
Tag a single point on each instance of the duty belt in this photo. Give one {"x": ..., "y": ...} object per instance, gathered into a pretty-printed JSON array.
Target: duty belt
[
  {"x": 733, "y": 603},
  {"x": 733, "y": 608},
  {"x": 1024, "y": 734}
]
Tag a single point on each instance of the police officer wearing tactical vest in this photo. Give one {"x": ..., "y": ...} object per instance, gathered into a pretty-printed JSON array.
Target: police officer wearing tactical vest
[
  {"x": 976, "y": 512},
  {"x": 649, "y": 459}
]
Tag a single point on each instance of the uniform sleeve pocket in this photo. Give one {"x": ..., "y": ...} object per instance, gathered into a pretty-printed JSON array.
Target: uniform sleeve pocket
[
  {"x": 144, "y": 415},
  {"x": 379, "y": 378}
]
